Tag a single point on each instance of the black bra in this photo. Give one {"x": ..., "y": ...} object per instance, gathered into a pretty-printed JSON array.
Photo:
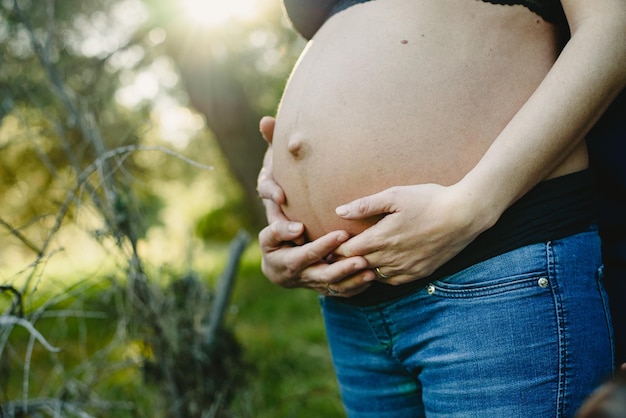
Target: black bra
[{"x": 549, "y": 10}]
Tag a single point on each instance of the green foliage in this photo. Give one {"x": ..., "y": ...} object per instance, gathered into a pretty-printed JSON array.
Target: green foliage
[
  {"x": 68, "y": 163},
  {"x": 194, "y": 371},
  {"x": 223, "y": 222},
  {"x": 279, "y": 333},
  {"x": 90, "y": 357},
  {"x": 82, "y": 166},
  {"x": 107, "y": 346},
  {"x": 282, "y": 332},
  {"x": 60, "y": 112}
]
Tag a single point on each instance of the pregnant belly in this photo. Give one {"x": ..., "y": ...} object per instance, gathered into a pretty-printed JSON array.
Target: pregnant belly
[{"x": 395, "y": 93}]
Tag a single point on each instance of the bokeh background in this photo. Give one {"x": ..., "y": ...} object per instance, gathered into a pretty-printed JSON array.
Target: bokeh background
[{"x": 130, "y": 282}]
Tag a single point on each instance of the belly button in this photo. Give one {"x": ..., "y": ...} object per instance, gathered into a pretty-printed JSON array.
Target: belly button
[{"x": 295, "y": 146}]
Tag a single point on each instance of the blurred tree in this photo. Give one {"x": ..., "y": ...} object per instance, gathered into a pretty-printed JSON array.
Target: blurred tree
[
  {"x": 81, "y": 82},
  {"x": 111, "y": 54},
  {"x": 61, "y": 69},
  {"x": 234, "y": 74}
]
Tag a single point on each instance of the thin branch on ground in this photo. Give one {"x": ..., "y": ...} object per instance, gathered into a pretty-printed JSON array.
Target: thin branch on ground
[
  {"x": 17, "y": 297},
  {"x": 17, "y": 234},
  {"x": 13, "y": 320}
]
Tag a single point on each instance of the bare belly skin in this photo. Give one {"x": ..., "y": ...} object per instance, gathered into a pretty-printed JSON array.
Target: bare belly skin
[{"x": 400, "y": 92}]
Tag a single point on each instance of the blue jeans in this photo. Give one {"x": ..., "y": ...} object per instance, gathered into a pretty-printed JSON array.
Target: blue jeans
[{"x": 524, "y": 334}]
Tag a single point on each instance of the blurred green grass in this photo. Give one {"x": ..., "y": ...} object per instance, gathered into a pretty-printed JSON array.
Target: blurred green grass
[{"x": 281, "y": 331}]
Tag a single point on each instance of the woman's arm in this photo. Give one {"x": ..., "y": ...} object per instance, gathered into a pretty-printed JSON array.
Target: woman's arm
[{"x": 588, "y": 75}]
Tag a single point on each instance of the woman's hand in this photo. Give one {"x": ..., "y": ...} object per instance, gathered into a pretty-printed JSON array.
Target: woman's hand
[
  {"x": 289, "y": 265},
  {"x": 424, "y": 226},
  {"x": 272, "y": 194},
  {"x": 287, "y": 260}
]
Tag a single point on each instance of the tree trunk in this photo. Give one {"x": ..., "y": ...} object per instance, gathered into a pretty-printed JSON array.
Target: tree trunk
[{"x": 217, "y": 94}]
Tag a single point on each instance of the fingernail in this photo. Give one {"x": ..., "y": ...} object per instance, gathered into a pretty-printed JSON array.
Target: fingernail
[
  {"x": 294, "y": 227},
  {"x": 359, "y": 266},
  {"x": 342, "y": 210},
  {"x": 343, "y": 236},
  {"x": 367, "y": 277}
]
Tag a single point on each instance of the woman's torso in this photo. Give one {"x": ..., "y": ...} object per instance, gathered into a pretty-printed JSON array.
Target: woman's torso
[{"x": 394, "y": 92}]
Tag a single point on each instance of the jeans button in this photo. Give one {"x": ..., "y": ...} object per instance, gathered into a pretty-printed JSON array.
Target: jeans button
[
  {"x": 543, "y": 282},
  {"x": 430, "y": 289}
]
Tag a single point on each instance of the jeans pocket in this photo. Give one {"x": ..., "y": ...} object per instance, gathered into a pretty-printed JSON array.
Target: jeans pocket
[{"x": 472, "y": 287}]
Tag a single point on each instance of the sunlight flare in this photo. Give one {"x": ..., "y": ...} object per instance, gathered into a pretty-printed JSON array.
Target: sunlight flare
[{"x": 216, "y": 12}]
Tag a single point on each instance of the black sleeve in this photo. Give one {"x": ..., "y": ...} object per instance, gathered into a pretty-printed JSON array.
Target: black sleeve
[{"x": 307, "y": 16}]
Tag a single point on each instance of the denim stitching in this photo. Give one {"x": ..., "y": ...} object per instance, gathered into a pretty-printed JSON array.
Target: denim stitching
[
  {"x": 387, "y": 340},
  {"x": 515, "y": 283},
  {"x": 607, "y": 311},
  {"x": 384, "y": 340},
  {"x": 560, "y": 320}
]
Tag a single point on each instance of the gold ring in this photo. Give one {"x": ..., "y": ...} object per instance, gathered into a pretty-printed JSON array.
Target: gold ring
[
  {"x": 330, "y": 290},
  {"x": 379, "y": 274}
]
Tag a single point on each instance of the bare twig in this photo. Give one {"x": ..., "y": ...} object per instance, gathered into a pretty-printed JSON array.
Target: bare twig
[
  {"x": 93, "y": 167},
  {"x": 13, "y": 320},
  {"x": 132, "y": 148},
  {"x": 83, "y": 118},
  {"x": 16, "y": 409},
  {"x": 66, "y": 313},
  {"x": 26, "y": 375},
  {"x": 18, "y": 299},
  {"x": 28, "y": 243},
  {"x": 226, "y": 284}
]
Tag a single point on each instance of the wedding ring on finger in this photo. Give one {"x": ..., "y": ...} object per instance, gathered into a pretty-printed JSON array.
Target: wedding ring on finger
[
  {"x": 331, "y": 291},
  {"x": 379, "y": 274}
]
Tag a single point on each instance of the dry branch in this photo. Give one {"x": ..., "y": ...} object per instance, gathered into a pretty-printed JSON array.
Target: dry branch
[{"x": 13, "y": 320}]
